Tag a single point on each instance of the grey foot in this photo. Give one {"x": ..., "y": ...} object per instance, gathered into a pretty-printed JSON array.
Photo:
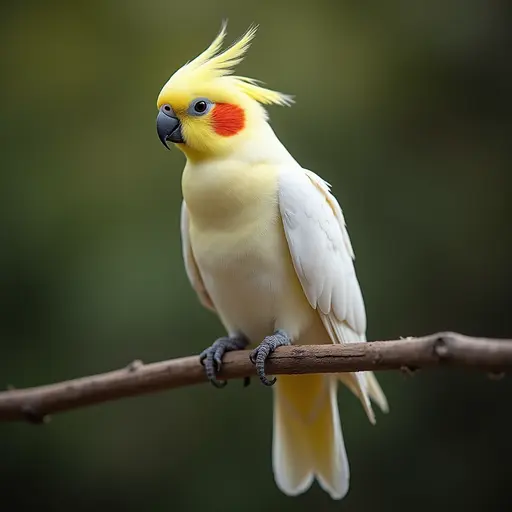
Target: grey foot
[
  {"x": 211, "y": 358},
  {"x": 260, "y": 354}
]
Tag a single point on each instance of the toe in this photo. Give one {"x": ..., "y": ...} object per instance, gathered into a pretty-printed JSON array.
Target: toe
[
  {"x": 261, "y": 353},
  {"x": 217, "y": 357},
  {"x": 253, "y": 355},
  {"x": 260, "y": 370},
  {"x": 209, "y": 369},
  {"x": 266, "y": 381},
  {"x": 211, "y": 358},
  {"x": 218, "y": 383},
  {"x": 203, "y": 355}
]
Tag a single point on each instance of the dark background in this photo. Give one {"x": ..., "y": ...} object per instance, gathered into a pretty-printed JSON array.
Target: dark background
[{"x": 405, "y": 107}]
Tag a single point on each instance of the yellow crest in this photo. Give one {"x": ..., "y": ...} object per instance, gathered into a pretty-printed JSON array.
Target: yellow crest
[{"x": 215, "y": 66}]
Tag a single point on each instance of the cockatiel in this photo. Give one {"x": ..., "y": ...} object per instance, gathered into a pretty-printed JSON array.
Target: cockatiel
[{"x": 266, "y": 248}]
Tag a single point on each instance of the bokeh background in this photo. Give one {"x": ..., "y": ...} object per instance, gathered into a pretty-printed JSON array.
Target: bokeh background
[{"x": 405, "y": 107}]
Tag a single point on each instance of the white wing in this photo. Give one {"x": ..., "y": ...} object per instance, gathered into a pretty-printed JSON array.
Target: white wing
[
  {"x": 323, "y": 259},
  {"x": 193, "y": 273}
]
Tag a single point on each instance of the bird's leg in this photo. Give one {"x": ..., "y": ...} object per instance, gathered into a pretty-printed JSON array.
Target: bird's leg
[
  {"x": 260, "y": 354},
  {"x": 211, "y": 358}
]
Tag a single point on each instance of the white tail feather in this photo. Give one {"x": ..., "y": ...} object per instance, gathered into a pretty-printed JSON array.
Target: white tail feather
[{"x": 340, "y": 332}]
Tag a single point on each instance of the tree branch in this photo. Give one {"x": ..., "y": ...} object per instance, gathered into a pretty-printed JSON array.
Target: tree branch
[{"x": 35, "y": 404}]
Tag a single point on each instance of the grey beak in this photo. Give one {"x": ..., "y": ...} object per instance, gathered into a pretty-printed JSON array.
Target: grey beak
[{"x": 168, "y": 126}]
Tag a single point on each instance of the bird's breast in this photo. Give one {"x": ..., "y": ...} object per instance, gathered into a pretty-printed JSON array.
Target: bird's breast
[{"x": 238, "y": 242}]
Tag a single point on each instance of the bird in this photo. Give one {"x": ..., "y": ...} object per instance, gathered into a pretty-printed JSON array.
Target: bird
[{"x": 266, "y": 247}]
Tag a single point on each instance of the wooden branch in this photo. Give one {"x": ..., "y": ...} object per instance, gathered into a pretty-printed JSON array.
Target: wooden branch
[{"x": 35, "y": 404}]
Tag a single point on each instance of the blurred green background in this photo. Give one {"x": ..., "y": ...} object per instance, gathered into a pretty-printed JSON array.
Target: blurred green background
[{"x": 405, "y": 107}]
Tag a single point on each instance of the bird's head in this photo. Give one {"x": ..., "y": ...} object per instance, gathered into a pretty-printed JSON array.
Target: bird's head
[{"x": 208, "y": 112}]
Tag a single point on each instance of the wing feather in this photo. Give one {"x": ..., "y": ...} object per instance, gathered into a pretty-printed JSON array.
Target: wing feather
[
  {"x": 320, "y": 247},
  {"x": 191, "y": 267},
  {"x": 322, "y": 256}
]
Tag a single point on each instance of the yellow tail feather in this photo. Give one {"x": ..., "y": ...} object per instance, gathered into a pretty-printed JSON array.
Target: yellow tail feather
[{"x": 308, "y": 441}]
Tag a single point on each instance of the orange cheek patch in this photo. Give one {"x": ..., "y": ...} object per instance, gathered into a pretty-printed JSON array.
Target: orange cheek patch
[{"x": 228, "y": 119}]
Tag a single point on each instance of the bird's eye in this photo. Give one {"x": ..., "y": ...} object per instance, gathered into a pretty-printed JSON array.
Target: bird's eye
[{"x": 199, "y": 107}]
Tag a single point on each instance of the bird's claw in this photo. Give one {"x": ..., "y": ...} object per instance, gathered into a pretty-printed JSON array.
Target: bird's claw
[
  {"x": 211, "y": 358},
  {"x": 261, "y": 353}
]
